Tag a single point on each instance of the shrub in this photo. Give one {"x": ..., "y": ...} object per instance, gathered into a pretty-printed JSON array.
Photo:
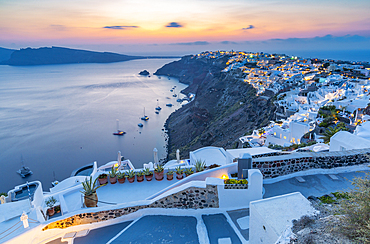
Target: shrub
[{"x": 356, "y": 209}]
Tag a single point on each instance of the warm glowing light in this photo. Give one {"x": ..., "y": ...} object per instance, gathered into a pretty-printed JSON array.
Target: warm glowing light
[
  {"x": 116, "y": 165},
  {"x": 224, "y": 177}
]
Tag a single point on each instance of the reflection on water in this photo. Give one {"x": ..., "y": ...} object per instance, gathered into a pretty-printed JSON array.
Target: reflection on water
[{"x": 61, "y": 117}]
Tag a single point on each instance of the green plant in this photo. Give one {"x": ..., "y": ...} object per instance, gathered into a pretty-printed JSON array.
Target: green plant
[
  {"x": 326, "y": 199},
  {"x": 121, "y": 175},
  {"x": 57, "y": 208},
  {"x": 189, "y": 171},
  {"x": 179, "y": 170},
  {"x": 169, "y": 172},
  {"x": 3, "y": 194},
  {"x": 158, "y": 168},
  {"x": 147, "y": 171},
  {"x": 113, "y": 172},
  {"x": 50, "y": 202},
  {"x": 234, "y": 181},
  {"x": 130, "y": 174},
  {"x": 356, "y": 210},
  {"x": 89, "y": 186},
  {"x": 102, "y": 176},
  {"x": 140, "y": 173},
  {"x": 200, "y": 165}
]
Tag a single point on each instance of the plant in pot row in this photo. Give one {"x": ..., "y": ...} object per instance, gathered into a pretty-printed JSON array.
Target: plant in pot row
[
  {"x": 158, "y": 172},
  {"x": 148, "y": 174},
  {"x": 103, "y": 179},
  {"x": 179, "y": 173},
  {"x": 169, "y": 174},
  {"x": 140, "y": 176},
  {"x": 89, "y": 191},
  {"x": 113, "y": 175},
  {"x": 130, "y": 176},
  {"x": 188, "y": 171},
  {"x": 200, "y": 165},
  {"x": 121, "y": 176}
]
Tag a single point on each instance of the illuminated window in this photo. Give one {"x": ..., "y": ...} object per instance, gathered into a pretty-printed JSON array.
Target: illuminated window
[{"x": 284, "y": 137}]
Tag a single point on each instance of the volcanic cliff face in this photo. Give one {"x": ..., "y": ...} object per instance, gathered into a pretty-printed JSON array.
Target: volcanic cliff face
[{"x": 224, "y": 109}]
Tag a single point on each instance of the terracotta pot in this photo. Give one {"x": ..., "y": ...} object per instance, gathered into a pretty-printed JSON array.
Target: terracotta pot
[
  {"x": 51, "y": 211},
  {"x": 91, "y": 200},
  {"x": 158, "y": 175},
  {"x": 170, "y": 177},
  {"x": 121, "y": 180},
  {"x": 113, "y": 180},
  {"x": 179, "y": 176},
  {"x": 131, "y": 180},
  {"x": 149, "y": 177},
  {"x": 103, "y": 181},
  {"x": 140, "y": 178}
]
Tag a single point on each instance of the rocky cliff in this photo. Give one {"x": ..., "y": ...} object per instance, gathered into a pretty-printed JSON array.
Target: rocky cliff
[{"x": 225, "y": 107}]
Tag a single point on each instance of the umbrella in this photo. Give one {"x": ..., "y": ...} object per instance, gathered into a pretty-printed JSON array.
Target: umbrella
[
  {"x": 155, "y": 152},
  {"x": 178, "y": 155},
  {"x": 119, "y": 158}
]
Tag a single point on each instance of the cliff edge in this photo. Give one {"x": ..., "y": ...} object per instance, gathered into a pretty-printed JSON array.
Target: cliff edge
[{"x": 224, "y": 109}]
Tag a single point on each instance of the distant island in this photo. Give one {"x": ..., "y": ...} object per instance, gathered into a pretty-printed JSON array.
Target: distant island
[{"x": 61, "y": 55}]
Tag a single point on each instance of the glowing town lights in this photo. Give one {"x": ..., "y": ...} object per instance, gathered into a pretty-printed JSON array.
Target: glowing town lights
[{"x": 116, "y": 165}]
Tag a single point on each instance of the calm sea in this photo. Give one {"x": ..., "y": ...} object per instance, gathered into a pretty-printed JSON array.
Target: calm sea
[{"x": 60, "y": 117}]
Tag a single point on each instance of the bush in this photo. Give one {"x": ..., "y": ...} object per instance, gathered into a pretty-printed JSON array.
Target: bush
[{"x": 357, "y": 210}]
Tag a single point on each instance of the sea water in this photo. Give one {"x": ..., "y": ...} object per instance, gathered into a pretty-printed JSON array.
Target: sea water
[{"x": 60, "y": 117}]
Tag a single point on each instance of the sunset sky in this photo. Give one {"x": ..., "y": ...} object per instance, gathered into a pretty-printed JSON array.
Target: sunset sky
[{"x": 164, "y": 25}]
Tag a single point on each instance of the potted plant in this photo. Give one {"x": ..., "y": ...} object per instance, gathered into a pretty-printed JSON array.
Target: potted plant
[
  {"x": 158, "y": 172},
  {"x": 179, "y": 172},
  {"x": 50, "y": 202},
  {"x": 89, "y": 191},
  {"x": 121, "y": 176},
  {"x": 140, "y": 176},
  {"x": 131, "y": 176},
  {"x": 169, "y": 174},
  {"x": 113, "y": 175},
  {"x": 103, "y": 179},
  {"x": 148, "y": 174},
  {"x": 200, "y": 165},
  {"x": 188, "y": 171},
  {"x": 57, "y": 209}
]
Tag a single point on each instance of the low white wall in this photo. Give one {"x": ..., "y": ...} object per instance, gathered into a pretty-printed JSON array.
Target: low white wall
[
  {"x": 270, "y": 217},
  {"x": 240, "y": 198}
]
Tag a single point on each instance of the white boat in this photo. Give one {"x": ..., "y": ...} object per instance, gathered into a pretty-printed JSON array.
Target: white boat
[
  {"x": 24, "y": 171},
  {"x": 145, "y": 118}
]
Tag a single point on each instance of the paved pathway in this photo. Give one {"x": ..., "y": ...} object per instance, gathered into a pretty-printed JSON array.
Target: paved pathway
[{"x": 313, "y": 185}]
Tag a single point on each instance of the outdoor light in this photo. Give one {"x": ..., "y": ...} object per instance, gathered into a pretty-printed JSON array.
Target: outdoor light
[{"x": 224, "y": 177}]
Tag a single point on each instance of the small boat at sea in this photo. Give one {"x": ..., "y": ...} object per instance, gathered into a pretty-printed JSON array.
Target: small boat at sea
[
  {"x": 140, "y": 125},
  {"x": 156, "y": 112},
  {"x": 174, "y": 95},
  {"x": 24, "y": 171},
  {"x": 119, "y": 132},
  {"x": 145, "y": 118},
  {"x": 158, "y": 108},
  {"x": 169, "y": 104}
]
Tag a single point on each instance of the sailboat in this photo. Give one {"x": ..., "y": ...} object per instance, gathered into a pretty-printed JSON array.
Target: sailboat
[
  {"x": 145, "y": 117},
  {"x": 119, "y": 132},
  {"x": 24, "y": 171},
  {"x": 158, "y": 108}
]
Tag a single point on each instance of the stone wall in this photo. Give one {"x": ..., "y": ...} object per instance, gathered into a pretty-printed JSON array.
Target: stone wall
[
  {"x": 286, "y": 164},
  {"x": 192, "y": 197}
]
